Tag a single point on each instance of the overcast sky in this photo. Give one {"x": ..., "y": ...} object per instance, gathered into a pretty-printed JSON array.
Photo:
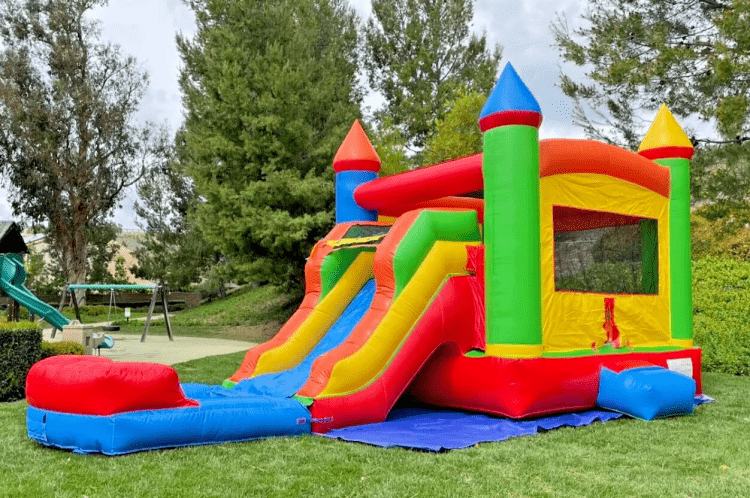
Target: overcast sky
[{"x": 147, "y": 29}]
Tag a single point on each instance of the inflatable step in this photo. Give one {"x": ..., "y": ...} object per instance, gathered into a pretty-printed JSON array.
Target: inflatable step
[{"x": 646, "y": 392}]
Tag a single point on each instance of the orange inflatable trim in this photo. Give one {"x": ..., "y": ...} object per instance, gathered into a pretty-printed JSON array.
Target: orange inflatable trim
[
  {"x": 561, "y": 156},
  {"x": 435, "y": 185},
  {"x": 468, "y": 203}
]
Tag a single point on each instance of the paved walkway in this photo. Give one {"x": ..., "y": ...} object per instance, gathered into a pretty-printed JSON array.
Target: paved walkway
[{"x": 159, "y": 349}]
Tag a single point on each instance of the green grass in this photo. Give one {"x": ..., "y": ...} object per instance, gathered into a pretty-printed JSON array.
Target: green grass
[
  {"x": 252, "y": 314},
  {"x": 247, "y": 307},
  {"x": 70, "y": 314},
  {"x": 91, "y": 314},
  {"x": 707, "y": 454},
  {"x": 210, "y": 370},
  {"x": 250, "y": 333}
]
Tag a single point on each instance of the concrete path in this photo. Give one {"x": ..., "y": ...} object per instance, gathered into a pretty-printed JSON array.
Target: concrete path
[{"x": 159, "y": 349}]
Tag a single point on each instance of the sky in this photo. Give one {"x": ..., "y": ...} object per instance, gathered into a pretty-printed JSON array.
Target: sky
[{"x": 146, "y": 29}]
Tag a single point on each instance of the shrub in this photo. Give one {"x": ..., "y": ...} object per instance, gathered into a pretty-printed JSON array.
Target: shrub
[
  {"x": 20, "y": 348},
  {"x": 721, "y": 299},
  {"x": 722, "y": 230},
  {"x": 60, "y": 348}
]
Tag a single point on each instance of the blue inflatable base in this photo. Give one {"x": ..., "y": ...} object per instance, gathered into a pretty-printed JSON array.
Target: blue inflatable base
[{"x": 217, "y": 420}]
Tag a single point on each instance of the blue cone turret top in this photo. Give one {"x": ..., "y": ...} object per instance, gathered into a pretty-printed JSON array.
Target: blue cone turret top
[{"x": 510, "y": 103}]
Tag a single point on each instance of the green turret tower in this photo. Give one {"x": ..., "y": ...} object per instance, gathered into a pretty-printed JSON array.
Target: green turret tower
[
  {"x": 666, "y": 144},
  {"x": 510, "y": 121}
]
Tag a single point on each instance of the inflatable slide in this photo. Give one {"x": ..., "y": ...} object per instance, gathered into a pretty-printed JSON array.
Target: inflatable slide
[
  {"x": 12, "y": 278},
  {"x": 353, "y": 336},
  {"x": 373, "y": 349}
]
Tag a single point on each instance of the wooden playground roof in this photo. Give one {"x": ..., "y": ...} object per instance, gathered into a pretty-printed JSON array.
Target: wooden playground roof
[{"x": 11, "y": 240}]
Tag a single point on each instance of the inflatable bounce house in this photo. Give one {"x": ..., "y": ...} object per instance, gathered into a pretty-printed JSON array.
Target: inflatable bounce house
[{"x": 532, "y": 279}]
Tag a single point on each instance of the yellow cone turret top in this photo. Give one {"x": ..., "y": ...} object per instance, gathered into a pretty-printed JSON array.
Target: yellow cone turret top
[{"x": 665, "y": 138}]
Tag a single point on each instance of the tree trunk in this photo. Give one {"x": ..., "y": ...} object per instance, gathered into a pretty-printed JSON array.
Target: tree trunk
[
  {"x": 75, "y": 259},
  {"x": 13, "y": 311}
]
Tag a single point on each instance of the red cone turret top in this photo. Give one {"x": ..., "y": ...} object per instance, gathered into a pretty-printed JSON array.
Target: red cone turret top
[{"x": 356, "y": 152}]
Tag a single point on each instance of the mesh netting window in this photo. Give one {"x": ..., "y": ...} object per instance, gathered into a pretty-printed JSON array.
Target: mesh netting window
[
  {"x": 357, "y": 231},
  {"x": 605, "y": 253}
]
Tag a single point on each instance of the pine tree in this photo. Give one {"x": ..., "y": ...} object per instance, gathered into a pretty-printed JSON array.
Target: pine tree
[
  {"x": 693, "y": 55},
  {"x": 173, "y": 250},
  {"x": 270, "y": 91},
  {"x": 420, "y": 53}
]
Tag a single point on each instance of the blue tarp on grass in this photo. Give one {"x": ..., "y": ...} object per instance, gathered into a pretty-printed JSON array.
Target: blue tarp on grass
[{"x": 436, "y": 430}]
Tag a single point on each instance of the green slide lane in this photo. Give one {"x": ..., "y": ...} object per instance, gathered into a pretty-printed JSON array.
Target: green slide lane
[{"x": 12, "y": 278}]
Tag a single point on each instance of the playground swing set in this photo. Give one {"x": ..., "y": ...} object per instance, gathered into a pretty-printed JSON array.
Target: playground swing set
[
  {"x": 13, "y": 278},
  {"x": 158, "y": 292}
]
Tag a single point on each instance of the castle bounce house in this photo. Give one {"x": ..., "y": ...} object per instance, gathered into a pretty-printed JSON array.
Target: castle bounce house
[{"x": 535, "y": 278}]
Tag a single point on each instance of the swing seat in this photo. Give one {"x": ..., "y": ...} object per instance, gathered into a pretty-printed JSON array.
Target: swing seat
[
  {"x": 110, "y": 328},
  {"x": 102, "y": 341}
]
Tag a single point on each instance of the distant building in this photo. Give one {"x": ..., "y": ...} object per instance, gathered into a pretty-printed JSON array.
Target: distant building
[{"x": 129, "y": 243}]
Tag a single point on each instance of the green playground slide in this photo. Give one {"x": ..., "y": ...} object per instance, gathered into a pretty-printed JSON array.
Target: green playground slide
[{"x": 12, "y": 278}]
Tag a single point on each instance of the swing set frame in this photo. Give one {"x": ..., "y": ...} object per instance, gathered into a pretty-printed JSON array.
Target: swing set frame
[{"x": 159, "y": 291}]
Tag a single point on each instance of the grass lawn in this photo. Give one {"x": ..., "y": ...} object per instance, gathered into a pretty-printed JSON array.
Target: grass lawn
[
  {"x": 707, "y": 454},
  {"x": 252, "y": 333},
  {"x": 99, "y": 316},
  {"x": 102, "y": 317}
]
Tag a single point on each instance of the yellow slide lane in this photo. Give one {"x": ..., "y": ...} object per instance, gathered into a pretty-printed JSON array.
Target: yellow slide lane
[
  {"x": 356, "y": 371},
  {"x": 325, "y": 314}
]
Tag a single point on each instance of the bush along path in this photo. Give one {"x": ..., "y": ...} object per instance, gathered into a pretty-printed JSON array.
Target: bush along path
[
  {"x": 721, "y": 300},
  {"x": 20, "y": 348}
]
